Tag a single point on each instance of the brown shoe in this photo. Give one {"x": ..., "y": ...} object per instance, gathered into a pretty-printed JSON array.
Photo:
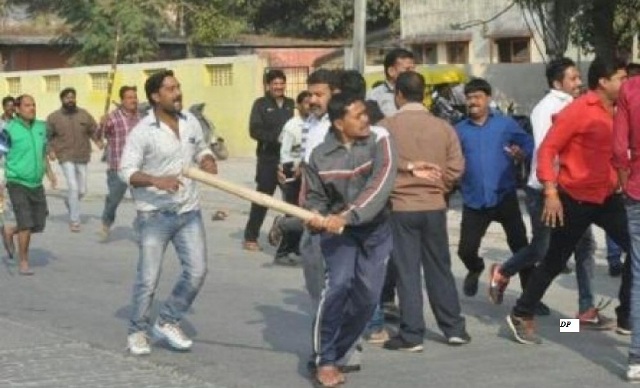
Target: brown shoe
[
  {"x": 378, "y": 337},
  {"x": 523, "y": 330},
  {"x": 74, "y": 227},
  {"x": 329, "y": 376},
  {"x": 592, "y": 319},
  {"x": 252, "y": 246}
]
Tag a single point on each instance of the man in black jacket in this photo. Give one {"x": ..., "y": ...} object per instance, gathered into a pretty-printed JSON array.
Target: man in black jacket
[{"x": 268, "y": 116}]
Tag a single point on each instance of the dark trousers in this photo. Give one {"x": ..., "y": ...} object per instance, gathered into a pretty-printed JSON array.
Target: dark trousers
[
  {"x": 267, "y": 181},
  {"x": 475, "y": 223},
  {"x": 355, "y": 264},
  {"x": 291, "y": 227},
  {"x": 421, "y": 245},
  {"x": 578, "y": 216}
]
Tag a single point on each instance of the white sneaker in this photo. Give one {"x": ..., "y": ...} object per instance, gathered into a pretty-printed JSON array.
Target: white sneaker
[
  {"x": 633, "y": 373},
  {"x": 138, "y": 344},
  {"x": 173, "y": 334}
]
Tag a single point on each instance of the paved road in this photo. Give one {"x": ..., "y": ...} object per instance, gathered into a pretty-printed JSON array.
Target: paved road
[{"x": 66, "y": 326}]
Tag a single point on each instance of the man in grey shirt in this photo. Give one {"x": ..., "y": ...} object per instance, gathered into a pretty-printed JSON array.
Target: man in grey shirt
[
  {"x": 168, "y": 207},
  {"x": 396, "y": 61}
]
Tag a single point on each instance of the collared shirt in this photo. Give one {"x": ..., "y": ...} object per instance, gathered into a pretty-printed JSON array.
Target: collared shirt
[
  {"x": 313, "y": 133},
  {"x": 542, "y": 117},
  {"x": 626, "y": 135},
  {"x": 115, "y": 129},
  {"x": 490, "y": 174},
  {"x": 70, "y": 134},
  {"x": 154, "y": 149},
  {"x": 419, "y": 135},
  {"x": 353, "y": 180},
  {"x": 266, "y": 122},
  {"x": 291, "y": 141},
  {"x": 581, "y": 139},
  {"x": 384, "y": 95}
]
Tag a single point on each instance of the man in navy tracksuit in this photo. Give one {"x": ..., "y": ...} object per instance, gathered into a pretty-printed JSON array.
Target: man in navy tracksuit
[{"x": 348, "y": 181}]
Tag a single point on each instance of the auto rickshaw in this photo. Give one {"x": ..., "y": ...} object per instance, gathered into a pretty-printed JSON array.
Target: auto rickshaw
[{"x": 434, "y": 75}]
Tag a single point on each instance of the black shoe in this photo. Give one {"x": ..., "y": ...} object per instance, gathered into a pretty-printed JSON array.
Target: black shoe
[
  {"x": 624, "y": 328},
  {"x": 542, "y": 310},
  {"x": 457, "y": 340},
  {"x": 615, "y": 270},
  {"x": 398, "y": 343},
  {"x": 287, "y": 260},
  {"x": 470, "y": 286}
]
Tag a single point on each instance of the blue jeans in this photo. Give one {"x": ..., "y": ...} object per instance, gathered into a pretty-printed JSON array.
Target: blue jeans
[
  {"x": 633, "y": 220},
  {"x": 76, "y": 176},
  {"x": 186, "y": 232},
  {"x": 117, "y": 190},
  {"x": 537, "y": 248},
  {"x": 614, "y": 252}
]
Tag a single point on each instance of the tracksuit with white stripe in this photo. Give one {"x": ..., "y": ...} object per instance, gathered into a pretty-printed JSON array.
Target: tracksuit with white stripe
[{"x": 356, "y": 181}]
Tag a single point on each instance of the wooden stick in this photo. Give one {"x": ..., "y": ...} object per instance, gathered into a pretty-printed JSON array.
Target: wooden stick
[
  {"x": 248, "y": 194},
  {"x": 112, "y": 73}
]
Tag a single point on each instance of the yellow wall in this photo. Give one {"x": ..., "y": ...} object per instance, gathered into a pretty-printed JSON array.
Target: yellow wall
[{"x": 228, "y": 99}]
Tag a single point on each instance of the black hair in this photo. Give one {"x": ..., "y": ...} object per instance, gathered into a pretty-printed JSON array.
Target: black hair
[
  {"x": 126, "y": 88},
  {"x": 18, "y": 100},
  {"x": 603, "y": 68},
  {"x": 339, "y": 104},
  {"x": 352, "y": 82},
  {"x": 393, "y": 56},
  {"x": 302, "y": 95},
  {"x": 154, "y": 83},
  {"x": 67, "y": 91},
  {"x": 633, "y": 69},
  {"x": 324, "y": 76},
  {"x": 7, "y": 100},
  {"x": 477, "y": 85},
  {"x": 556, "y": 70},
  {"x": 412, "y": 86},
  {"x": 274, "y": 74}
]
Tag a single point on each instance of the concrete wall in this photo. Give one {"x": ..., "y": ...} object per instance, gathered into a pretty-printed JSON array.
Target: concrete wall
[{"x": 228, "y": 99}]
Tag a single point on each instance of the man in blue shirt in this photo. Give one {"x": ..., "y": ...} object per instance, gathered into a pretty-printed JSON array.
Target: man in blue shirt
[{"x": 491, "y": 144}]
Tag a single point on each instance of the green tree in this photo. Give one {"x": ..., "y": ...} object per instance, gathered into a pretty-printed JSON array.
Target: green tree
[
  {"x": 604, "y": 27},
  {"x": 322, "y": 19}
]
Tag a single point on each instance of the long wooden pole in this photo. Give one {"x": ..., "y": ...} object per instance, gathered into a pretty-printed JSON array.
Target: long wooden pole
[
  {"x": 248, "y": 194},
  {"x": 112, "y": 73}
]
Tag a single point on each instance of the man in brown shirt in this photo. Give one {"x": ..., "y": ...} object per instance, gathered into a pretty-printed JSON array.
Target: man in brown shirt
[
  {"x": 430, "y": 161},
  {"x": 69, "y": 130}
]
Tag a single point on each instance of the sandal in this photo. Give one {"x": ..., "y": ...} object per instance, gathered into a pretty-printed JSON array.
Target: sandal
[
  {"x": 74, "y": 227},
  {"x": 251, "y": 246}
]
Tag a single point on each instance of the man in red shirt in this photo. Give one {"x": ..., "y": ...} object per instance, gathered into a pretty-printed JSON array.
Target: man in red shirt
[
  {"x": 580, "y": 193},
  {"x": 626, "y": 143}
]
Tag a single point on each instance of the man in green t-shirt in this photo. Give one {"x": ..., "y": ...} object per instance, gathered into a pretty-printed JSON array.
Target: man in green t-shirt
[{"x": 25, "y": 167}]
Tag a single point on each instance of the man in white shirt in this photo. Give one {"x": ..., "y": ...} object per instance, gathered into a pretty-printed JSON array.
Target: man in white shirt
[
  {"x": 155, "y": 153},
  {"x": 564, "y": 80},
  {"x": 286, "y": 231},
  {"x": 396, "y": 61}
]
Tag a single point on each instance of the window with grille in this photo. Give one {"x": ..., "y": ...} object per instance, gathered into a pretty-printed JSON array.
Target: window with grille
[
  {"x": 296, "y": 79},
  {"x": 514, "y": 50},
  {"x": 14, "y": 86},
  {"x": 457, "y": 52},
  {"x": 220, "y": 75},
  {"x": 426, "y": 53},
  {"x": 99, "y": 81},
  {"x": 52, "y": 83}
]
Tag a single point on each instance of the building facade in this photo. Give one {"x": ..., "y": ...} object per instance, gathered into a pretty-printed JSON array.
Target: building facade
[{"x": 472, "y": 32}]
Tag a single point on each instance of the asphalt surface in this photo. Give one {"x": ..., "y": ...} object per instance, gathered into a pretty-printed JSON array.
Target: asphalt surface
[{"x": 66, "y": 326}]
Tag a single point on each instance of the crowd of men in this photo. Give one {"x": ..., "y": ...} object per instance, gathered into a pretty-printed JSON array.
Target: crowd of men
[{"x": 378, "y": 170}]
